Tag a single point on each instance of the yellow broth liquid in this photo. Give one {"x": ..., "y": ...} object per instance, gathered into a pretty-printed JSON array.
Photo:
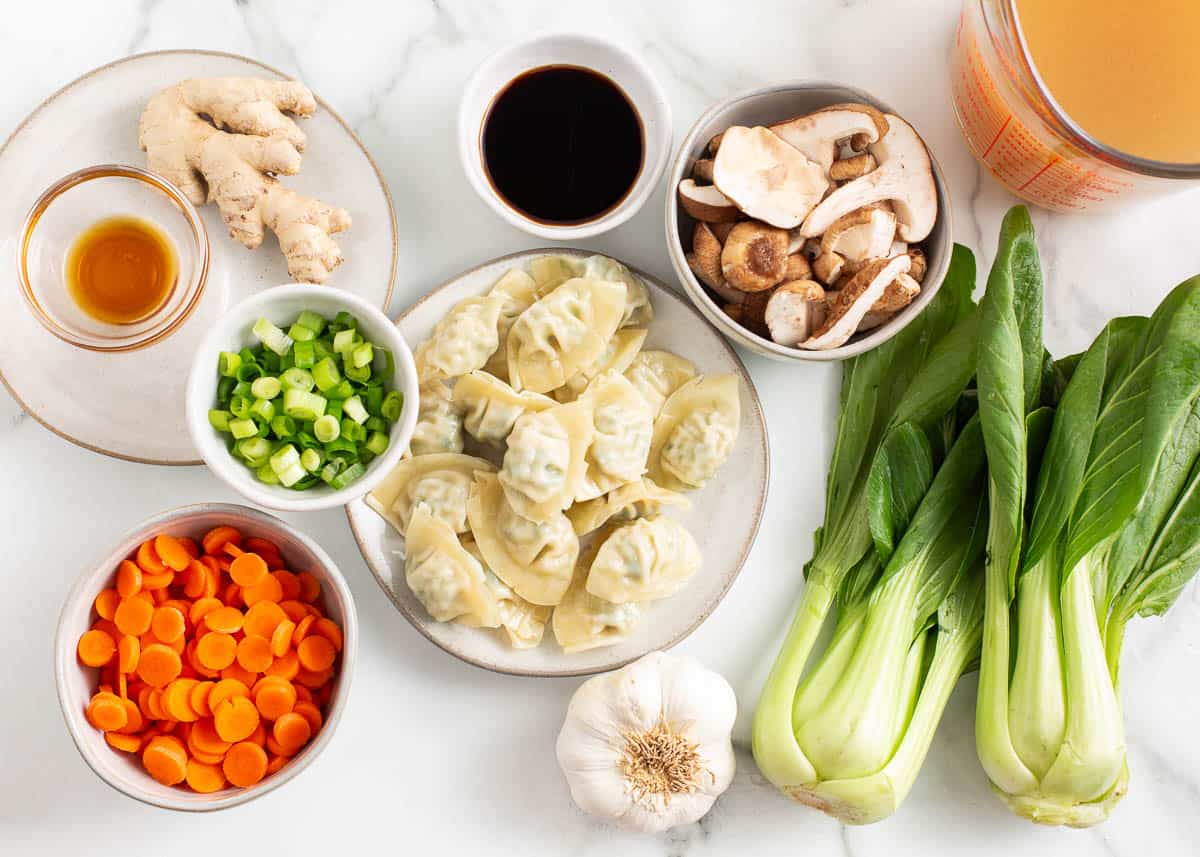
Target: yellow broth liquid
[
  {"x": 121, "y": 269},
  {"x": 1128, "y": 73}
]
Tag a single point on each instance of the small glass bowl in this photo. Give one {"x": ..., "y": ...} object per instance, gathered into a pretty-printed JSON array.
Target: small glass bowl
[{"x": 73, "y": 204}]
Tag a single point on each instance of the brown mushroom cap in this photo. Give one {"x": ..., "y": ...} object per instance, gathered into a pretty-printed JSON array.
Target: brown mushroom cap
[
  {"x": 898, "y": 294},
  {"x": 851, "y": 168},
  {"x": 828, "y": 267},
  {"x": 817, "y": 134},
  {"x": 706, "y": 203},
  {"x": 754, "y": 257},
  {"x": 795, "y": 309},
  {"x": 852, "y": 302},
  {"x": 705, "y": 262},
  {"x": 797, "y": 267},
  {"x": 702, "y": 170}
]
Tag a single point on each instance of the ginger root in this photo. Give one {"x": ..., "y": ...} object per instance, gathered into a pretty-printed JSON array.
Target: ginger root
[{"x": 223, "y": 140}]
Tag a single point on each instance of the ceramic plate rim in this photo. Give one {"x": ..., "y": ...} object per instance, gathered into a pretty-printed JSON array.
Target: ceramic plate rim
[
  {"x": 321, "y": 103},
  {"x": 729, "y": 576}
]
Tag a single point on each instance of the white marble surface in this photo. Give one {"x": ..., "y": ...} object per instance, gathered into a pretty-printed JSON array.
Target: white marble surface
[{"x": 437, "y": 757}]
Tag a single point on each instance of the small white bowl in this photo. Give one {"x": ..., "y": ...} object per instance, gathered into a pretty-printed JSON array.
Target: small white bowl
[
  {"x": 281, "y": 305},
  {"x": 76, "y": 683},
  {"x": 621, "y": 66},
  {"x": 765, "y": 106}
]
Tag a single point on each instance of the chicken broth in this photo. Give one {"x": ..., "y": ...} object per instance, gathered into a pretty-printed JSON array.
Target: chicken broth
[
  {"x": 562, "y": 144},
  {"x": 121, "y": 269}
]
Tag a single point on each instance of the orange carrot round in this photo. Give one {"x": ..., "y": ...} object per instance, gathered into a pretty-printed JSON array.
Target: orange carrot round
[
  {"x": 227, "y": 620},
  {"x": 172, "y": 553},
  {"x": 291, "y": 731},
  {"x": 148, "y": 559},
  {"x": 245, "y": 764},
  {"x": 274, "y": 697},
  {"x": 129, "y": 651},
  {"x": 106, "y": 603},
  {"x": 158, "y": 665},
  {"x": 204, "y": 778},
  {"x": 248, "y": 569},
  {"x": 235, "y": 719},
  {"x": 95, "y": 648},
  {"x": 316, "y": 653},
  {"x": 107, "y": 712},
  {"x": 281, "y": 637},
  {"x": 262, "y": 618},
  {"x": 254, "y": 653},
  {"x": 216, "y": 650},
  {"x": 168, "y": 624},
  {"x": 133, "y": 616}
]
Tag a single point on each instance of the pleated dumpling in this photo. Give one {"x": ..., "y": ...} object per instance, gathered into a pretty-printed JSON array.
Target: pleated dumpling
[
  {"x": 641, "y": 499},
  {"x": 638, "y": 310},
  {"x": 647, "y": 559},
  {"x": 490, "y": 407},
  {"x": 441, "y": 482},
  {"x": 523, "y": 623},
  {"x": 439, "y": 422},
  {"x": 622, "y": 423},
  {"x": 546, "y": 460},
  {"x": 616, "y": 357},
  {"x": 550, "y": 272},
  {"x": 695, "y": 432},
  {"x": 519, "y": 291},
  {"x": 444, "y": 577},
  {"x": 535, "y": 559},
  {"x": 658, "y": 374},
  {"x": 582, "y": 621},
  {"x": 562, "y": 333},
  {"x": 463, "y": 340}
]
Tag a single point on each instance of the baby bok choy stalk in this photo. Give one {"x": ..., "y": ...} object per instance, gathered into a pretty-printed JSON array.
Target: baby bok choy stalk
[
  {"x": 1108, "y": 536},
  {"x": 913, "y": 380}
]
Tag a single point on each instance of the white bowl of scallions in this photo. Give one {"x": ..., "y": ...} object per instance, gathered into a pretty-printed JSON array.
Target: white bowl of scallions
[{"x": 302, "y": 397}]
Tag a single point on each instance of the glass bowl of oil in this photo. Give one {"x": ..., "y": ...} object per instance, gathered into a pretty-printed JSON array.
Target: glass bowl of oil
[{"x": 112, "y": 258}]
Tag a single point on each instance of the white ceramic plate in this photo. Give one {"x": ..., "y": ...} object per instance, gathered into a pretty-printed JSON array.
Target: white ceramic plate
[
  {"x": 131, "y": 405},
  {"x": 724, "y": 516}
]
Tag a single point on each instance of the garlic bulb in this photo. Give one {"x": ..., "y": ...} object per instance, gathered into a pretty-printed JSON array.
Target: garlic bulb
[{"x": 648, "y": 746}]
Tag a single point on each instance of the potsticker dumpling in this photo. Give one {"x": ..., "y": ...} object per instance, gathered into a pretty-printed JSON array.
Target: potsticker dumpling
[
  {"x": 491, "y": 407},
  {"x": 523, "y": 623},
  {"x": 518, "y": 291},
  {"x": 638, "y": 310},
  {"x": 695, "y": 432},
  {"x": 439, "y": 422},
  {"x": 444, "y": 577},
  {"x": 616, "y": 357},
  {"x": 562, "y": 333},
  {"x": 641, "y": 499},
  {"x": 535, "y": 559},
  {"x": 546, "y": 460},
  {"x": 441, "y": 482},
  {"x": 550, "y": 272},
  {"x": 582, "y": 621},
  {"x": 658, "y": 374},
  {"x": 644, "y": 560},
  {"x": 621, "y": 441},
  {"x": 462, "y": 341}
]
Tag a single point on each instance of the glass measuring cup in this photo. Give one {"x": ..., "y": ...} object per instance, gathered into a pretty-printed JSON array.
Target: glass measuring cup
[{"x": 1023, "y": 137}]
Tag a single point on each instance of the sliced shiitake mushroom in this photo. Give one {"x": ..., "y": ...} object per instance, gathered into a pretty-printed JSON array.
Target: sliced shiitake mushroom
[
  {"x": 702, "y": 170},
  {"x": 898, "y": 294},
  {"x": 919, "y": 265},
  {"x": 766, "y": 178},
  {"x": 828, "y": 267},
  {"x": 865, "y": 233},
  {"x": 797, "y": 268},
  {"x": 851, "y": 168},
  {"x": 705, "y": 262},
  {"x": 750, "y": 313},
  {"x": 795, "y": 309},
  {"x": 851, "y": 303},
  {"x": 706, "y": 203},
  {"x": 754, "y": 257},
  {"x": 722, "y": 230}
]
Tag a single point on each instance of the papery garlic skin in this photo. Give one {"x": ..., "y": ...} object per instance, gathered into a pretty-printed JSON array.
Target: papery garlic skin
[{"x": 670, "y": 700}]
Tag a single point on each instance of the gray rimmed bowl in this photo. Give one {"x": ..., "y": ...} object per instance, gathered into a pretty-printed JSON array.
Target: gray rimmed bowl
[
  {"x": 76, "y": 683},
  {"x": 766, "y": 106}
]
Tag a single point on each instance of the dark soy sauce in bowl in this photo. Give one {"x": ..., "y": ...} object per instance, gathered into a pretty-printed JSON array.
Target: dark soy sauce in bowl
[{"x": 562, "y": 144}]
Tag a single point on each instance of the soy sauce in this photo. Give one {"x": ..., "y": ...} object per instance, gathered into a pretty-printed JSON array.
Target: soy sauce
[{"x": 562, "y": 144}]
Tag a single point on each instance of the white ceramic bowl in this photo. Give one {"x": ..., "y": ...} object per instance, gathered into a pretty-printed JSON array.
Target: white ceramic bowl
[
  {"x": 621, "y": 66},
  {"x": 76, "y": 683},
  {"x": 763, "y": 107},
  {"x": 281, "y": 305}
]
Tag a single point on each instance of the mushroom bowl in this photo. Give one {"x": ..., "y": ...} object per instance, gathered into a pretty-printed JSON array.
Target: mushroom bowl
[{"x": 816, "y": 229}]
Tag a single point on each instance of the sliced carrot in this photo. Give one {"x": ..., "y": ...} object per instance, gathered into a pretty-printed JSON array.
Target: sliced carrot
[
  {"x": 254, "y": 653},
  {"x": 134, "y": 721},
  {"x": 232, "y": 595},
  {"x": 227, "y": 620},
  {"x": 177, "y": 645},
  {"x": 107, "y": 626},
  {"x": 287, "y": 666},
  {"x": 176, "y": 700},
  {"x": 168, "y": 623},
  {"x": 124, "y": 743},
  {"x": 249, "y": 569},
  {"x": 226, "y": 688},
  {"x": 291, "y": 731},
  {"x": 154, "y": 703},
  {"x": 303, "y": 693},
  {"x": 129, "y": 579},
  {"x": 133, "y": 616},
  {"x": 122, "y": 685},
  {"x": 310, "y": 587},
  {"x": 309, "y": 712},
  {"x": 173, "y": 554},
  {"x": 240, "y": 673},
  {"x": 212, "y": 584},
  {"x": 328, "y": 629},
  {"x": 236, "y": 718},
  {"x": 276, "y": 763},
  {"x": 313, "y": 680},
  {"x": 281, "y": 637},
  {"x": 268, "y": 589},
  {"x": 194, "y": 579},
  {"x": 288, "y": 583},
  {"x": 203, "y": 777},
  {"x": 128, "y": 652},
  {"x": 261, "y": 546},
  {"x": 245, "y": 764},
  {"x": 294, "y": 610},
  {"x": 216, "y": 650},
  {"x": 158, "y": 596},
  {"x": 259, "y": 735},
  {"x": 216, "y": 538},
  {"x": 262, "y": 618},
  {"x": 274, "y": 697},
  {"x": 204, "y": 738},
  {"x": 202, "y": 607},
  {"x": 302, "y": 629},
  {"x": 157, "y": 583},
  {"x": 106, "y": 711},
  {"x": 190, "y": 655},
  {"x": 148, "y": 558},
  {"x": 198, "y": 697},
  {"x": 95, "y": 648},
  {"x": 106, "y": 603},
  {"x": 158, "y": 665},
  {"x": 165, "y": 759},
  {"x": 277, "y": 749},
  {"x": 316, "y": 653},
  {"x": 206, "y": 758},
  {"x": 189, "y": 545}
]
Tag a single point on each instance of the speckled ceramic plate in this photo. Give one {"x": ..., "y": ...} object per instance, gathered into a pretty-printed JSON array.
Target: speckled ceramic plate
[
  {"x": 724, "y": 516},
  {"x": 130, "y": 405}
]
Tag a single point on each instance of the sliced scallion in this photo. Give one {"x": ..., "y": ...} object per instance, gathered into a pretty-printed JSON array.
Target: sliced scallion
[
  {"x": 327, "y": 428},
  {"x": 272, "y": 337}
]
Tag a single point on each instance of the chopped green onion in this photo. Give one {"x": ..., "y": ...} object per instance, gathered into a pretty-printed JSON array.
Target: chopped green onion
[
  {"x": 302, "y": 405},
  {"x": 311, "y": 460},
  {"x": 240, "y": 406},
  {"x": 242, "y": 388},
  {"x": 393, "y": 405},
  {"x": 297, "y": 379},
  {"x": 377, "y": 442},
  {"x": 219, "y": 419},
  {"x": 353, "y": 408},
  {"x": 327, "y": 428},
  {"x": 249, "y": 370},
  {"x": 341, "y": 448},
  {"x": 300, "y": 333},
  {"x": 241, "y": 428},
  {"x": 272, "y": 337},
  {"x": 283, "y": 426},
  {"x": 255, "y": 450},
  {"x": 374, "y": 400},
  {"x": 313, "y": 321},
  {"x": 376, "y": 424},
  {"x": 344, "y": 320},
  {"x": 266, "y": 475},
  {"x": 351, "y": 473},
  {"x": 344, "y": 390},
  {"x": 284, "y": 457},
  {"x": 344, "y": 340},
  {"x": 326, "y": 375},
  {"x": 359, "y": 374},
  {"x": 225, "y": 389},
  {"x": 263, "y": 409},
  {"x": 352, "y": 431},
  {"x": 362, "y": 355},
  {"x": 265, "y": 388},
  {"x": 228, "y": 363},
  {"x": 332, "y": 469},
  {"x": 334, "y": 407},
  {"x": 305, "y": 354}
]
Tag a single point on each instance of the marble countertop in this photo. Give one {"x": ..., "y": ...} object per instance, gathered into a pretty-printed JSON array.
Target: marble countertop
[{"x": 434, "y": 756}]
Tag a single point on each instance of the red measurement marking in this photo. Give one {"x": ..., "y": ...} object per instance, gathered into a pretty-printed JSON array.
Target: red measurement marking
[
  {"x": 1038, "y": 174},
  {"x": 996, "y": 139}
]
